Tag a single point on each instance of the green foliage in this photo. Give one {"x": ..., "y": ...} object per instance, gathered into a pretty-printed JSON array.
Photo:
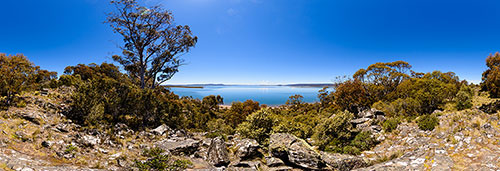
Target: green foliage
[
  {"x": 257, "y": 126},
  {"x": 239, "y": 111},
  {"x": 351, "y": 95},
  {"x": 362, "y": 141},
  {"x": 491, "y": 77},
  {"x": 391, "y": 124},
  {"x": 106, "y": 100},
  {"x": 295, "y": 100},
  {"x": 219, "y": 127},
  {"x": 325, "y": 97},
  {"x": 333, "y": 132},
  {"x": 157, "y": 160},
  {"x": 153, "y": 43},
  {"x": 427, "y": 122},
  {"x": 18, "y": 74},
  {"x": 464, "y": 97}
]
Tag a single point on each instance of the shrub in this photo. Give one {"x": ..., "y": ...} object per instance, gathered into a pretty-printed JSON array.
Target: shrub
[
  {"x": 362, "y": 142},
  {"x": 427, "y": 122},
  {"x": 391, "y": 124},
  {"x": 109, "y": 101},
  {"x": 464, "y": 97},
  {"x": 239, "y": 111},
  {"x": 219, "y": 127},
  {"x": 491, "y": 77},
  {"x": 333, "y": 132},
  {"x": 351, "y": 95},
  {"x": 158, "y": 160},
  {"x": 18, "y": 74},
  {"x": 257, "y": 126}
]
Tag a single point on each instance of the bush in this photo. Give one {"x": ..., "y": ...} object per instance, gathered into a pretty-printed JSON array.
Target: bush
[
  {"x": 362, "y": 142},
  {"x": 219, "y": 127},
  {"x": 427, "y": 122},
  {"x": 258, "y": 126},
  {"x": 18, "y": 74},
  {"x": 333, "y": 132},
  {"x": 108, "y": 101},
  {"x": 391, "y": 124},
  {"x": 464, "y": 98},
  {"x": 157, "y": 160},
  {"x": 491, "y": 77},
  {"x": 351, "y": 95},
  {"x": 239, "y": 111}
]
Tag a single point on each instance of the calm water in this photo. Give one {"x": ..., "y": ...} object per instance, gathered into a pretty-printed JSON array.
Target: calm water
[{"x": 270, "y": 95}]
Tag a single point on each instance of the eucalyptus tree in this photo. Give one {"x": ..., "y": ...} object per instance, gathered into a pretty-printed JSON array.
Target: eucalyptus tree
[{"x": 152, "y": 42}]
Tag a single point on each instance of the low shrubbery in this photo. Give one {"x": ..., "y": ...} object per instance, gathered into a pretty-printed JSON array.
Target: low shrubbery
[
  {"x": 427, "y": 122},
  {"x": 158, "y": 160},
  {"x": 391, "y": 124},
  {"x": 18, "y": 74}
]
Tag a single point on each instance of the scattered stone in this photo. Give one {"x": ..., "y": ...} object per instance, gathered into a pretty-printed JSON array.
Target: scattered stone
[
  {"x": 89, "y": 141},
  {"x": 296, "y": 151},
  {"x": 32, "y": 117},
  {"x": 186, "y": 147},
  {"x": 162, "y": 129},
  {"x": 246, "y": 148},
  {"x": 217, "y": 153},
  {"x": 47, "y": 144},
  {"x": 359, "y": 121},
  {"x": 343, "y": 161},
  {"x": 274, "y": 162}
]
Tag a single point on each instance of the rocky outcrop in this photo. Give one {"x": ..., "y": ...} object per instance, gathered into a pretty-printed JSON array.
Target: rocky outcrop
[
  {"x": 162, "y": 130},
  {"x": 217, "y": 153},
  {"x": 246, "y": 148},
  {"x": 294, "y": 151},
  {"x": 369, "y": 120},
  {"x": 343, "y": 161},
  {"x": 179, "y": 147}
]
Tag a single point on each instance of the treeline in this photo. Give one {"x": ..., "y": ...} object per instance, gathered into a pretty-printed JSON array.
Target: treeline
[{"x": 103, "y": 96}]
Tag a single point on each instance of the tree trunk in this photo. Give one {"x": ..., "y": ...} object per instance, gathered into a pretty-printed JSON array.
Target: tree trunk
[{"x": 142, "y": 76}]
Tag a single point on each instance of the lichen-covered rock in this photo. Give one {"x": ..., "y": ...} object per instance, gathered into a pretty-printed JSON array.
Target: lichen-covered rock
[
  {"x": 343, "y": 161},
  {"x": 295, "y": 151},
  {"x": 217, "y": 153},
  {"x": 89, "y": 140},
  {"x": 161, "y": 130},
  {"x": 246, "y": 148},
  {"x": 179, "y": 147}
]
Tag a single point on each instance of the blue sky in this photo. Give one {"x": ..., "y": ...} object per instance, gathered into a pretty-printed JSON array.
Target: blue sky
[{"x": 270, "y": 41}]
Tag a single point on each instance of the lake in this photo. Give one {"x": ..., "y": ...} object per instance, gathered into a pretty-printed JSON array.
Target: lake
[{"x": 269, "y": 95}]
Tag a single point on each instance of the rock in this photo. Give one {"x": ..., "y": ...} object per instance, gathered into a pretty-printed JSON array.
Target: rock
[
  {"x": 47, "y": 144},
  {"x": 178, "y": 147},
  {"x": 22, "y": 136},
  {"x": 32, "y": 117},
  {"x": 246, "y": 148},
  {"x": 296, "y": 151},
  {"x": 217, "y": 153},
  {"x": 486, "y": 126},
  {"x": 62, "y": 127},
  {"x": 246, "y": 165},
  {"x": 359, "y": 121},
  {"x": 89, "y": 141},
  {"x": 274, "y": 162},
  {"x": 160, "y": 130},
  {"x": 343, "y": 161}
]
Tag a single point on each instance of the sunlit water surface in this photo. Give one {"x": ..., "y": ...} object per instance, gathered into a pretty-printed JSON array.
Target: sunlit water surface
[{"x": 270, "y": 95}]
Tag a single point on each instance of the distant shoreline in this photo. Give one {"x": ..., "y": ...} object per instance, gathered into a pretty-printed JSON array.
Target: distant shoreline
[
  {"x": 207, "y": 85},
  {"x": 182, "y": 86}
]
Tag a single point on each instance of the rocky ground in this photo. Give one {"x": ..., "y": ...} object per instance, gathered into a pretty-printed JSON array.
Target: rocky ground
[{"x": 39, "y": 137}]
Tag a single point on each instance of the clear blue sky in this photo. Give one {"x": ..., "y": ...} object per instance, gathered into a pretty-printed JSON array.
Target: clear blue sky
[{"x": 270, "y": 41}]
